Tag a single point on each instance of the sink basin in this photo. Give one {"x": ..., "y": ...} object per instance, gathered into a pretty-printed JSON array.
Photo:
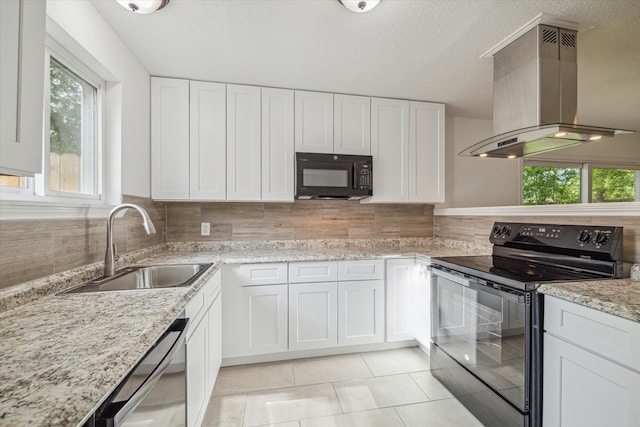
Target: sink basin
[{"x": 145, "y": 277}]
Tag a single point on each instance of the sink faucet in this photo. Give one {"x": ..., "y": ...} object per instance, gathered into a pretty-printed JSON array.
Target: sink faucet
[{"x": 111, "y": 255}]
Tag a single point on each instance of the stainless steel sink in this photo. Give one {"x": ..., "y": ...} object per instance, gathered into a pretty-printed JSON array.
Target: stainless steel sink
[{"x": 145, "y": 277}]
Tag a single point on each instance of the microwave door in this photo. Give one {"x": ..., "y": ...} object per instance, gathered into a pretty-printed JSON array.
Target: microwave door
[{"x": 327, "y": 177}]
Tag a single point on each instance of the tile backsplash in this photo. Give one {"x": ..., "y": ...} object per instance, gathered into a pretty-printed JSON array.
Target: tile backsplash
[
  {"x": 30, "y": 249},
  {"x": 301, "y": 220}
]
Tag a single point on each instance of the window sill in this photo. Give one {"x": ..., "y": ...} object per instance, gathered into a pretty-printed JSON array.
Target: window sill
[
  {"x": 31, "y": 209},
  {"x": 586, "y": 209}
]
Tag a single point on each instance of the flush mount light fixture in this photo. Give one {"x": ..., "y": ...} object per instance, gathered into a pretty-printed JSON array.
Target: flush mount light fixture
[
  {"x": 359, "y": 6},
  {"x": 143, "y": 7}
]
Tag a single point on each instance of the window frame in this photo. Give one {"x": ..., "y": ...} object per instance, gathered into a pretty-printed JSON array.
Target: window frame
[{"x": 67, "y": 60}]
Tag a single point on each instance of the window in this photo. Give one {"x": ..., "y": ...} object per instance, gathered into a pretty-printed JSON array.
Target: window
[
  {"x": 73, "y": 134},
  {"x": 72, "y": 144},
  {"x": 548, "y": 183}
]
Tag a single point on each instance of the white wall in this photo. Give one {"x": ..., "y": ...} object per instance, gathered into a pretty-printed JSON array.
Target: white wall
[
  {"x": 128, "y": 89},
  {"x": 472, "y": 181}
]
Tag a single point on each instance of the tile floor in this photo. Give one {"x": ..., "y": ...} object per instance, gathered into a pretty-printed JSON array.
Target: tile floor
[{"x": 385, "y": 388}]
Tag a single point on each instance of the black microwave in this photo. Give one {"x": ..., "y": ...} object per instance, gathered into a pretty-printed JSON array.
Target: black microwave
[{"x": 329, "y": 176}]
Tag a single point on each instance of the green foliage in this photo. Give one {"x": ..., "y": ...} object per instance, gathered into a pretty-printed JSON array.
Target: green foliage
[
  {"x": 544, "y": 185},
  {"x": 612, "y": 185},
  {"x": 66, "y": 111}
]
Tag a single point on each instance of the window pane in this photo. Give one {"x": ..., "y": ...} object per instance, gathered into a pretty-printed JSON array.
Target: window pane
[
  {"x": 614, "y": 185},
  {"x": 73, "y": 152},
  {"x": 13, "y": 181},
  {"x": 547, "y": 185}
]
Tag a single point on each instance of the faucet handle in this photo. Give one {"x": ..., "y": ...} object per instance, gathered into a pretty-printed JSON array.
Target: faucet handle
[{"x": 115, "y": 252}]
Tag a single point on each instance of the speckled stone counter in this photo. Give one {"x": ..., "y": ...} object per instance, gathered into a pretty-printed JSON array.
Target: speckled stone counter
[
  {"x": 620, "y": 297},
  {"x": 62, "y": 355}
]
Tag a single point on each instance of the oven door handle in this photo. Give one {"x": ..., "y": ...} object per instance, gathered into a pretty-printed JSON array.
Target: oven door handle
[
  {"x": 456, "y": 278},
  {"x": 514, "y": 296}
]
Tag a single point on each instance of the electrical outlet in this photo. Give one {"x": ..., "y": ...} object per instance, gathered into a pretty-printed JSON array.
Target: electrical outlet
[{"x": 205, "y": 229}]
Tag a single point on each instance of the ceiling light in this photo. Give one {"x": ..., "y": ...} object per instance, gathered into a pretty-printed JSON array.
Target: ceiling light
[
  {"x": 595, "y": 137},
  {"x": 143, "y": 7},
  {"x": 483, "y": 155},
  {"x": 359, "y": 6},
  {"x": 511, "y": 156},
  {"x": 560, "y": 134}
]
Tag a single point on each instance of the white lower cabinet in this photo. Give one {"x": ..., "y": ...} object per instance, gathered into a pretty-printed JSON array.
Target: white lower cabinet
[
  {"x": 203, "y": 348},
  {"x": 274, "y": 308},
  {"x": 196, "y": 373},
  {"x": 313, "y": 312},
  {"x": 400, "y": 299},
  {"x": 264, "y": 319},
  {"x": 360, "y": 312},
  {"x": 591, "y": 367}
]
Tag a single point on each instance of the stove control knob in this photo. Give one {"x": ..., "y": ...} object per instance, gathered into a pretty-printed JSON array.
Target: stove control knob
[
  {"x": 584, "y": 236},
  {"x": 601, "y": 238}
]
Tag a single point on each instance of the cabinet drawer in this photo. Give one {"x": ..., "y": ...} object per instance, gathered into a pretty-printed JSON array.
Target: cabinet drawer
[
  {"x": 259, "y": 274},
  {"x": 611, "y": 336},
  {"x": 361, "y": 270},
  {"x": 301, "y": 272}
]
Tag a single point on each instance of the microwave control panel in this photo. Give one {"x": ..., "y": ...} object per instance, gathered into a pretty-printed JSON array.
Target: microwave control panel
[{"x": 363, "y": 174}]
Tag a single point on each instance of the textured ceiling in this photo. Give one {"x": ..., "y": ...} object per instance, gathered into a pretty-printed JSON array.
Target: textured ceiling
[{"x": 416, "y": 49}]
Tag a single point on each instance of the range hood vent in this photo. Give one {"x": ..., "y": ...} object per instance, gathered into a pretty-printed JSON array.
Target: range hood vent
[{"x": 535, "y": 98}]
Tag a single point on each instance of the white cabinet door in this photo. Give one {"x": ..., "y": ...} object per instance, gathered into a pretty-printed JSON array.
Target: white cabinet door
[
  {"x": 197, "y": 373},
  {"x": 360, "y": 312},
  {"x": 390, "y": 150},
  {"x": 421, "y": 297},
  {"x": 207, "y": 141},
  {"x": 277, "y": 145},
  {"x": 352, "y": 124},
  {"x": 582, "y": 389},
  {"x": 400, "y": 307},
  {"x": 313, "y": 122},
  {"x": 169, "y": 139},
  {"x": 214, "y": 344},
  {"x": 22, "y": 35},
  {"x": 264, "y": 319},
  {"x": 313, "y": 315},
  {"x": 243, "y": 143},
  {"x": 426, "y": 152}
]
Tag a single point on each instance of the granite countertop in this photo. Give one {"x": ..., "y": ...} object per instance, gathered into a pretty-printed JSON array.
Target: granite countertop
[
  {"x": 620, "y": 297},
  {"x": 62, "y": 355}
]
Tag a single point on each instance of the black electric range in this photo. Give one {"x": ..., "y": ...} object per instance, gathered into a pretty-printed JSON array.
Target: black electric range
[{"x": 487, "y": 318}]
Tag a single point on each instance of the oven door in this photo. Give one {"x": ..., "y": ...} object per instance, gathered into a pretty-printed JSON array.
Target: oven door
[{"x": 484, "y": 328}]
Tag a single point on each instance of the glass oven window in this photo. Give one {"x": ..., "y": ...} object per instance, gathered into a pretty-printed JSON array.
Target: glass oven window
[
  {"x": 325, "y": 178},
  {"x": 484, "y": 330}
]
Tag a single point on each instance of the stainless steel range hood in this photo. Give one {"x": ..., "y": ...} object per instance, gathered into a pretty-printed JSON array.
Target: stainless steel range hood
[{"x": 535, "y": 97}]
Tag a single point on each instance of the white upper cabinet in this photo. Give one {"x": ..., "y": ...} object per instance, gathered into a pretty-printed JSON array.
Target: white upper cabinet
[
  {"x": 207, "y": 141},
  {"x": 314, "y": 122},
  {"x": 352, "y": 124},
  {"x": 426, "y": 152},
  {"x": 277, "y": 145},
  {"x": 22, "y": 34},
  {"x": 169, "y": 139},
  {"x": 243, "y": 143},
  {"x": 407, "y": 144},
  {"x": 390, "y": 150}
]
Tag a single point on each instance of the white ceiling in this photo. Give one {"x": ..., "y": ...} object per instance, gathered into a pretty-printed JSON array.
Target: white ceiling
[{"x": 416, "y": 49}]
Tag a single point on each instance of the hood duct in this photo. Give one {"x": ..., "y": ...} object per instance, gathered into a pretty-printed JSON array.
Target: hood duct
[{"x": 535, "y": 98}]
